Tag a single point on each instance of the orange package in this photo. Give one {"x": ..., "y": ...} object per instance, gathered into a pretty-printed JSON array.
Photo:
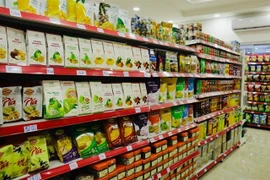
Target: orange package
[
  {"x": 128, "y": 133},
  {"x": 113, "y": 133}
]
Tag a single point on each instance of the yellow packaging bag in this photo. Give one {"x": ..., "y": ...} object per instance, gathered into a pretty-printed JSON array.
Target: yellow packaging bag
[
  {"x": 6, "y": 162},
  {"x": 165, "y": 119},
  {"x": 50, "y": 147},
  {"x": 71, "y": 10},
  {"x": 171, "y": 88},
  {"x": 21, "y": 157},
  {"x": 163, "y": 90},
  {"x": 56, "y": 9},
  {"x": 85, "y": 12},
  {"x": 31, "y": 6},
  {"x": 39, "y": 153}
]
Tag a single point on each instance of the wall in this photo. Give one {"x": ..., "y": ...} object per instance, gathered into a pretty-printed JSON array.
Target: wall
[{"x": 222, "y": 29}]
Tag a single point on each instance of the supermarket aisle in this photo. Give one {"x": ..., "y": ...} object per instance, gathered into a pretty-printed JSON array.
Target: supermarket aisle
[{"x": 250, "y": 162}]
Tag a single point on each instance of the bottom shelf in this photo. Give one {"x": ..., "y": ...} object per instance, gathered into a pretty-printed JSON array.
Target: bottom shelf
[
  {"x": 212, "y": 163},
  {"x": 258, "y": 126}
]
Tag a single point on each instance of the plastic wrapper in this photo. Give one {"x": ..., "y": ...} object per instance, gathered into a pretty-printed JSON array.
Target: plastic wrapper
[
  {"x": 113, "y": 133},
  {"x": 128, "y": 134}
]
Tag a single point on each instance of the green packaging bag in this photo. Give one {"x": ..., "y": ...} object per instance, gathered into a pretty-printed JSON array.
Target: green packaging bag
[
  {"x": 177, "y": 114},
  {"x": 180, "y": 88},
  {"x": 100, "y": 136}
]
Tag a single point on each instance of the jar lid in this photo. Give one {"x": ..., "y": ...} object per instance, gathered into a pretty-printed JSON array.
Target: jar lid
[
  {"x": 183, "y": 134},
  {"x": 138, "y": 174},
  {"x": 157, "y": 144}
]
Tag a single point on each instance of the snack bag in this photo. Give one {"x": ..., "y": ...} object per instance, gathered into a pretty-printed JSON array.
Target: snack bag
[
  {"x": 21, "y": 159},
  {"x": 16, "y": 47},
  {"x": 180, "y": 87},
  {"x": 56, "y": 9},
  {"x": 112, "y": 133},
  {"x": 108, "y": 14},
  {"x": 163, "y": 90},
  {"x": 71, "y": 10},
  {"x": 173, "y": 61},
  {"x": 55, "y": 50},
  {"x": 53, "y": 99},
  {"x": 128, "y": 134},
  {"x": 141, "y": 125},
  {"x": 86, "y": 54},
  {"x": 85, "y": 141},
  {"x": 3, "y": 45},
  {"x": 136, "y": 94},
  {"x": 190, "y": 88},
  {"x": 38, "y": 153},
  {"x": 1, "y": 109},
  {"x": 12, "y": 103},
  {"x": 72, "y": 54},
  {"x": 84, "y": 12},
  {"x": 177, "y": 115},
  {"x": 70, "y": 97},
  {"x": 153, "y": 91},
  {"x": 118, "y": 96},
  {"x": 32, "y": 102},
  {"x": 190, "y": 113},
  {"x": 30, "y": 6},
  {"x": 144, "y": 94},
  {"x": 50, "y": 147},
  {"x": 171, "y": 88},
  {"x": 64, "y": 147},
  {"x": 6, "y": 161},
  {"x": 100, "y": 136},
  {"x": 128, "y": 96},
  {"x": 97, "y": 97},
  {"x": 154, "y": 123},
  {"x": 84, "y": 98},
  {"x": 123, "y": 21},
  {"x": 165, "y": 119},
  {"x": 108, "y": 97},
  {"x": 185, "y": 115}
]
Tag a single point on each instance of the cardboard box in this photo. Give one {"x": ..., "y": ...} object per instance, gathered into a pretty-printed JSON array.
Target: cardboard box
[
  {"x": 217, "y": 152},
  {"x": 217, "y": 142},
  {"x": 210, "y": 146},
  {"x": 202, "y": 130},
  {"x": 224, "y": 136},
  {"x": 224, "y": 147},
  {"x": 210, "y": 156},
  {"x": 229, "y": 144},
  {"x": 204, "y": 150}
]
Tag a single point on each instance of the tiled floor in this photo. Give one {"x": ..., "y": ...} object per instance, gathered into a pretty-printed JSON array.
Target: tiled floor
[{"x": 249, "y": 162}]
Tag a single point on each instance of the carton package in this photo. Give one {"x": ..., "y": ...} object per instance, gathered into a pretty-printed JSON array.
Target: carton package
[
  {"x": 224, "y": 138},
  {"x": 97, "y": 97},
  {"x": 86, "y": 54},
  {"x": 204, "y": 150},
  {"x": 211, "y": 146},
  {"x": 120, "y": 56},
  {"x": 98, "y": 53},
  {"x": 210, "y": 156},
  {"x": 224, "y": 147},
  {"x": 84, "y": 98},
  {"x": 128, "y": 95},
  {"x": 31, "y": 6},
  {"x": 118, "y": 96},
  {"x": 110, "y": 57},
  {"x": 137, "y": 55},
  {"x": 108, "y": 97},
  {"x": 137, "y": 95},
  {"x": 3, "y": 45},
  {"x": 217, "y": 142},
  {"x": 70, "y": 98},
  {"x": 11, "y": 4},
  {"x": 16, "y": 47},
  {"x": 72, "y": 53},
  {"x": 129, "y": 59},
  {"x": 144, "y": 99},
  {"x": 55, "y": 50},
  {"x": 36, "y": 48},
  {"x": 145, "y": 60},
  {"x": 217, "y": 152},
  {"x": 32, "y": 102}
]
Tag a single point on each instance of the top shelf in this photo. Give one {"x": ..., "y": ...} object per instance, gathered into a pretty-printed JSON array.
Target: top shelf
[
  {"x": 198, "y": 41},
  {"x": 6, "y": 15}
]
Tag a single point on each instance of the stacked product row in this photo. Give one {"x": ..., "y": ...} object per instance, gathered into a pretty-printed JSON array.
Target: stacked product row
[
  {"x": 258, "y": 58},
  {"x": 213, "y": 149},
  {"x": 262, "y": 119}
]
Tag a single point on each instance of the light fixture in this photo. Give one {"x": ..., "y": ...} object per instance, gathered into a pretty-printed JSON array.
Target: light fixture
[
  {"x": 170, "y": 21},
  {"x": 136, "y": 9},
  {"x": 216, "y": 15}
]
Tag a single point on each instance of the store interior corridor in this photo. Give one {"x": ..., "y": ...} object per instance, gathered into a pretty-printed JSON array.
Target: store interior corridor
[{"x": 250, "y": 162}]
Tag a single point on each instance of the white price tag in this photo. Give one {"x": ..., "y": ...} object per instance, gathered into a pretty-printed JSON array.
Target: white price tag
[
  {"x": 258, "y": 125},
  {"x": 225, "y": 155},
  {"x": 159, "y": 175},
  {"x": 217, "y": 135},
  {"x": 126, "y": 74},
  {"x": 205, "y": 170},
  {"x": 145, "y": 39},
  {"x": 186, "y": 128},
  {"x": 175, "y": 103},
  {"x": 166, "y": 44},
  {"x": 193, "y": 125},
  {"x": 160, "y": 137},
  {"x": 152, "y": 140},
  {"x": 161, "y": 43},
  {"x": 121, "y": 34},
  {"x": 30, "y": 128},
  {"x": 81, "y": 26},
  {"x": 176, "y": 45},
  {"x": 13, "y": 69},
  {"x": 14, "y": 12},
  {"x": 168, "y": 170},
  {"x": 155, "y": 41},
  {"x": 129, "y": 148},
  {"x": 34, "y": 177},
  {"x": 102, "y": 156},
  {"x": 154, "y": 74},
  {"x": 81, "y": 72},
  {"x": 211, "y": 139},
  {"x": 50, "y": 71},
  {"x": 147, "y": 74},
  {"x": 73, "y": 165},
  {"x": 177, "y": 75},
  {"x": 215, "y": 162},
  {"x": 179, "y": 130},
  {"x": 137, "y": 109},
  {"x": 170, "y": 133},
  {"x": 55, "y": 21},
  {"x": 132, "y": 36},
  {"x": 100, "y": 30},
  {"x": 106, "y": 73}
]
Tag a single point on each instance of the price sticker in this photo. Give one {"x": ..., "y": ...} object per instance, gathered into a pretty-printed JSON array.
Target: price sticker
[
  {"x": 179, "y": 130},
  {"x": 217, "y": 135},
  {"x": 155, "y": 41},
  {"x": 30, "y": 128},
  {"x": 152, "y": 140},
  {"x": 225, "y": 155},
  {"x": 161, "y": 43},
  {"x": 176, "y": 45},
  {"x": 137, "y": 109},
  {"x": 159, "y": 175},
  {"x": 170, "y": 133},
  {"x": 132, "y": 36},
  {"x": 100, "y": 30},
  {"x": 129, "y": 148},
  {"x": 81, "y": 26},
  {"x": 258, "y": 125},
  {"x": 211, "y": 139},
  {"x": 187, "y": 128},
  {"x": 215, "y": 162},
  {"x": 14, "y": 12},
  {"x": 81, "y": 72},
  {"x": 121, "y": 34},
  {"x": 193, "y": 125},
  {"x": 205, "y": 170},
  {"x": 50, "y": 71},
  {"x": 14, "y": 69},
  {"x": 34, "y": 177},
  {"x": 175, "y": 103},
  {"x": 126, "y": 74},
  {"x": 154, "y": 74},
  {"x": 106, "y": 73},
  {"x": 160, "y": 137},
  {"x": 55, "y": 21},
  {"x": 102, "y": 156},
  {"x": 166, "y": 44},
  {"x": 168, "y": 170},
  {"x": 147, "y": 74},
  {"x": 73, "y": 165},
  {"x": 145, "y": 39}
]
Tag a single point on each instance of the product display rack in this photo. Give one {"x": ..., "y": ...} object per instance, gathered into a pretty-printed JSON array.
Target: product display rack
[
  {"x": 258, "y": 126},
  {"x": 58, "y": 168}
]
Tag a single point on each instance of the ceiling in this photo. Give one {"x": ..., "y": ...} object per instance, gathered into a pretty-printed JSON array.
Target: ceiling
[{"x": 192, "y": 10}]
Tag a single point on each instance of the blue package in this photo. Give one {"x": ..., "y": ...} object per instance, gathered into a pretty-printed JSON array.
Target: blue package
[
  {"x": 185, "y": 116},
  {"x": 191, "y": 87},
  {"x": 262, "y": 119}
]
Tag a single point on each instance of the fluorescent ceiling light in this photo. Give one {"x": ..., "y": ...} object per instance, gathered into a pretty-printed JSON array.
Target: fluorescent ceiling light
[
  {"x": 136, "y": 9},
  {"x": 170, "y": 21},
  {"x": 216, "y": 15},
  {"x": 198, "y": 1}
]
